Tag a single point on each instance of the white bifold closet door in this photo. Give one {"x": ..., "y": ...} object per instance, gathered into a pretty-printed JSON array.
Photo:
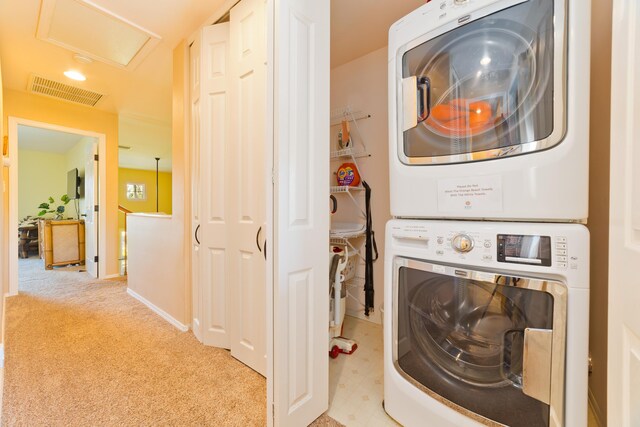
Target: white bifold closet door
[
  {"x": 228, "y": 86},
  {"x": 211, "y": 181},
  {"x": 247, "y": 205}
]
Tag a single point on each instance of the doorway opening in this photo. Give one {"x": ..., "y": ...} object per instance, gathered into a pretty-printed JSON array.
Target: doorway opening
[{"x": 55, "y": 190}]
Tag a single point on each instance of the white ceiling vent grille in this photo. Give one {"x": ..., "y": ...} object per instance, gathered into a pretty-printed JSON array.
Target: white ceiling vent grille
[{"x": 58, "y": 90}]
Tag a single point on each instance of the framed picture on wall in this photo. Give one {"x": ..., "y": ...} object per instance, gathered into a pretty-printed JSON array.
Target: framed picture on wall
[{"x": 136, "y": 192}]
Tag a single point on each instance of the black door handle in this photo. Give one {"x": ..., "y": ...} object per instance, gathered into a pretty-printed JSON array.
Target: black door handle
[
  {"x": 265, "y": 249},
  {"x": 424, "y": 100},
  {"x": 258, "y": 239},
  {"x": 196, "y": 233}
]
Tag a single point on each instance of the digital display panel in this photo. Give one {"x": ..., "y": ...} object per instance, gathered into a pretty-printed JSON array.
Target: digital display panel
[{"x": 519, "y": 249}]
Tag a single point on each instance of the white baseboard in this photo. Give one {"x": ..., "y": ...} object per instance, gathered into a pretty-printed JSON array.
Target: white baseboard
[
  {"x": 2, "y": 356},
  {"x": 160, "y": 312}
]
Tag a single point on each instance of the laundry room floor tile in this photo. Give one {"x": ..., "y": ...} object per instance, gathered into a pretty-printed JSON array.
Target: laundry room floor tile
[{"x": 356, "y": 380}]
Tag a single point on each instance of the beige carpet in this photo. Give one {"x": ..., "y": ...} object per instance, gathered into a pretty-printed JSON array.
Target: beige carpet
[{"x": 81, "y": 352}]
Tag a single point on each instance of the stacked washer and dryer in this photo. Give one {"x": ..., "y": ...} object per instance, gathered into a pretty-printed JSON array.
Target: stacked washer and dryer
[{"x": 487, "y": 257}]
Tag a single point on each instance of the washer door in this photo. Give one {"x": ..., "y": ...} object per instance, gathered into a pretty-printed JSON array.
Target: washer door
[
  {"x": 489, "y": 344},
  {"x": 484, "y": 89}
]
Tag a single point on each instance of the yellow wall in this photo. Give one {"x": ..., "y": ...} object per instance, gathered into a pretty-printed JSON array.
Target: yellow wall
[
  {"x": 148, "y": 178},
  {"x": 4, "y": 261},
  {"x": 42, "y": 109},
  {"x": 41, "y": 175}
]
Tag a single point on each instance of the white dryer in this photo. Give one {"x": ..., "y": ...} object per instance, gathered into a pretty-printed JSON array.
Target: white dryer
[
  {"x": 489, "y": 110},
  {"x": 487, "y": 323}
]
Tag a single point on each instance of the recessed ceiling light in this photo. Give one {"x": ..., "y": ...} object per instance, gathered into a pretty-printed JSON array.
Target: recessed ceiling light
[{"x": 75, "y": 75}]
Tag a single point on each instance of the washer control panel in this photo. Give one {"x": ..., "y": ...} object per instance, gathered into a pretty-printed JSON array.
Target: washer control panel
[{"x": 542, "y": 247}]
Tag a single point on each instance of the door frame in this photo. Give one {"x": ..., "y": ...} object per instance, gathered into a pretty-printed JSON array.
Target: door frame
[{"x": 14, "y": 122}]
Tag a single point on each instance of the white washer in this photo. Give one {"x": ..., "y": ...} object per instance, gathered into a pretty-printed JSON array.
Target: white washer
[
  {"x": 487, "y": 323},
  {"x": 489, "y": 110}
]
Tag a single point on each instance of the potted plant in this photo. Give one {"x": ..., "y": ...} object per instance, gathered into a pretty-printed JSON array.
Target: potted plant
[{"x": 49, "y": 207}]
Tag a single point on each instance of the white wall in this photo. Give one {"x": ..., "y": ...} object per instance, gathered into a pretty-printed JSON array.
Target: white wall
[
  {"x": 155, "y": 271},
  {"x": 362, "y": 84}
]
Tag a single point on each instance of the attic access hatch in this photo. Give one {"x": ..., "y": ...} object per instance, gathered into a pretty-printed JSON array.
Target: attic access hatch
[{"x": 83, "y": 27}]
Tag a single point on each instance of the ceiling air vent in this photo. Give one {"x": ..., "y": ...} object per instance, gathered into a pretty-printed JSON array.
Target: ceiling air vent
[{"x": 63, "y": 91}]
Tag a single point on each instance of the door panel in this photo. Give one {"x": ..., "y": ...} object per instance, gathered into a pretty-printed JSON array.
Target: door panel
[
  {"x": 210, "y": 139},
  {"x": 623, "y": 382},
  {"x": 300, "y": 67},
  {"x": 194, "y": 125},
  {"x": 248, "y": 138},
  {"x": 471, "y": 341},
  {"x": 90, "y": 200},
  {"x": 214, "y": 183},
  {"x": 492, "y": 86}
]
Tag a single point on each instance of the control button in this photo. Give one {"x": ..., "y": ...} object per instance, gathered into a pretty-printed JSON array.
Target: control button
[
  {"x": 439, "y": 252},
  {"x": 561, "y": 240},
  {"x": 443, "y": 5},
  {"x": 487, "y": 244},
  {"x": 561, "y": 252},
  {"x": 561, "y": 259},
  {"x": 561, "y": 265},
  {"x": 440, "y": 240},
  {"x": 461, "y": 1},
  {"x": 462, "y": 243},
  {"x": 561, "y": 246}
]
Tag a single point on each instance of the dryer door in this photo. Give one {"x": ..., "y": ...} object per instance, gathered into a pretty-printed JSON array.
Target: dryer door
[
  {"x": 490, "y": 88},
  {"x": 491, "y": 345}
]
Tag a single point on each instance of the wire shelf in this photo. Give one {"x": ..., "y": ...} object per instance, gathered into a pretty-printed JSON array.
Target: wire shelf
[{"x": 345, "y": 189}]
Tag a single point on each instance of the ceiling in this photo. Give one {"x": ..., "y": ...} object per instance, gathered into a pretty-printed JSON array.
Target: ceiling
[
  {"x": 359, "y": 27},
  {"x": 51, "y": 141}
]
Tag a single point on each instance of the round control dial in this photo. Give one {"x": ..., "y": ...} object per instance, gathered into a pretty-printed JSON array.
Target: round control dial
[{"x": 462, "y": 243}]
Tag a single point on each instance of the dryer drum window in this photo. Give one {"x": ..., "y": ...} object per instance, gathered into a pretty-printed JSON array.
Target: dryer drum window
[
  {"x": 484, "y": 89},
  {"x": 464, "y": 340}
]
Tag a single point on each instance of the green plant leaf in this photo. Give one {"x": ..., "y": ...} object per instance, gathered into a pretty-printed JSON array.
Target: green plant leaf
[
  {"x": 42, "y": 213},
  {"x": 51, "y": 200},
  {"x": 65, "y": 199},
  {"x": 43, "y": 206},
  {"x": 60, "y": 209}
]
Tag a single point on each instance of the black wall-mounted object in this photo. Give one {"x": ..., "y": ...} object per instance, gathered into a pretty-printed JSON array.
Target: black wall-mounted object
[{"x": 73, "y": 184}]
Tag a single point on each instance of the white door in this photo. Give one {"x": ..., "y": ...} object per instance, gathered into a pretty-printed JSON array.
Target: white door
[
  {"x": 247, "y": 197},
  {"x": 90, "y": 203},
  {"x": 210, "y": 170},
  {"x": 623, "y": 398},
  {"x": 299, "y": 67}
]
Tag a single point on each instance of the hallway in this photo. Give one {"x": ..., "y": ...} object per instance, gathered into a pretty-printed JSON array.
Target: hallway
[{"x": 82, "y": 352}]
